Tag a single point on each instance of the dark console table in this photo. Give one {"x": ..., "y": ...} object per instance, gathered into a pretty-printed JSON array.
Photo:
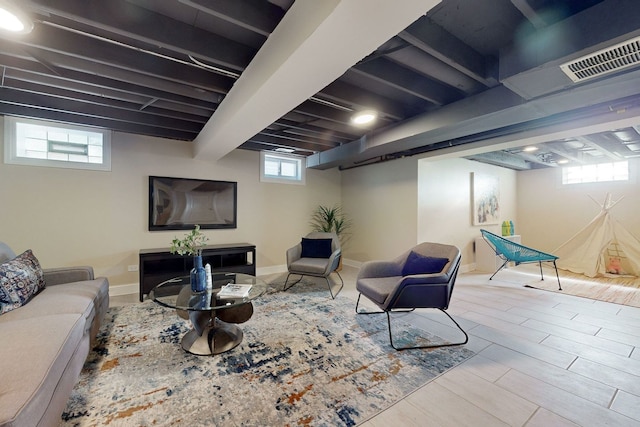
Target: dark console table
[{"x": 158, "y": 265}]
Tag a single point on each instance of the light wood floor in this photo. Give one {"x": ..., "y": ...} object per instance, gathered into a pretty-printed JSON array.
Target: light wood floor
[{"x": 542, "y": 359}]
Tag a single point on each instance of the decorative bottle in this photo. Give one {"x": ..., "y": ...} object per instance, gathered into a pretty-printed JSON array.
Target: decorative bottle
[
  {"x": 512, "y": 229},
  {"x": 198, "y": 275},
  {"x": 207, "y": 269},
  {"x": 505, "y": 228}
]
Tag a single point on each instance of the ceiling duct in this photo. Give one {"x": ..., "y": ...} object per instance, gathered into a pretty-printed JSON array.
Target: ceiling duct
[{"x": 604, "y": 61}]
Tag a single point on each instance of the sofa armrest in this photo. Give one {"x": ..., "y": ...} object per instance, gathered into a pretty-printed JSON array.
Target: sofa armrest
[{"x": 57, "y": 276}]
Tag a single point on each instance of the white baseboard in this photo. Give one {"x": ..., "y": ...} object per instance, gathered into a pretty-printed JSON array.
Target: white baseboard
[
  {"x": 352, "y": 263},
  {"x": 272, "y": 269},
  {"x": 127, "y": 289},
  {"x": 465, "y": 268}
]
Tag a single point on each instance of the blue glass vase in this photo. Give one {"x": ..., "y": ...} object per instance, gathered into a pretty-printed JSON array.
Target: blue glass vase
[{"x": 198, "y": 275}]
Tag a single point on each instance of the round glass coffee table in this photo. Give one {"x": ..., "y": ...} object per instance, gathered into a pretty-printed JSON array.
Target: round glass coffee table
[{"x": 213, "y": 318}]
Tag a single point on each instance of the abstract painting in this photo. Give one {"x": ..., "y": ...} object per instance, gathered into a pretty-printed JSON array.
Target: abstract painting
[{"x": 486, "y": 199}]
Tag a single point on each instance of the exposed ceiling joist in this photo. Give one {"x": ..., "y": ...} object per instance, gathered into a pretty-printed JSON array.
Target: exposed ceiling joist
[{"x": 440, "y": 77}]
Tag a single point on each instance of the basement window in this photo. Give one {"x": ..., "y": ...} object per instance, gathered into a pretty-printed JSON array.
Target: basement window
[
  {"x": 282, "y": 168},
  {"x": 42, "y": 143},
  {"x": 602, "y": 172}
]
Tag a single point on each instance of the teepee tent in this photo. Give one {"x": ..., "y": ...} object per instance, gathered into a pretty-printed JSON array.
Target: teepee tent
[{"x": 603, "y": 247}]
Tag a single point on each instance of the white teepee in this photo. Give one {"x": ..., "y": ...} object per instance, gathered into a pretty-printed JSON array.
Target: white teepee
[{"x": 603, "y": 247}]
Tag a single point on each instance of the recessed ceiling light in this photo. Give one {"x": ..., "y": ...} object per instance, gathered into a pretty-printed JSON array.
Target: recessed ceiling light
[
  {"x": 530, "y": 148},
  {"x": 364, "y": 117},
  {"x": 284, "y": 150},
  {"x": 563, "y": 161},
  {"x": 12, "y": 19}
]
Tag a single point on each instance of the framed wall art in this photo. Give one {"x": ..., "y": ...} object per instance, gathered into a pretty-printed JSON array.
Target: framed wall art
[{"x": 486, "y": 198}]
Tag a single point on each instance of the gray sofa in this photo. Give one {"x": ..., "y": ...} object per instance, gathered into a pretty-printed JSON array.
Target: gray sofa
[{"x": 45, "y": 343}]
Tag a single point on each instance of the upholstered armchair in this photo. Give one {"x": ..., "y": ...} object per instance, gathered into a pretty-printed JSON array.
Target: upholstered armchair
[
  {"x": 422, "y": 277},
  {"x": 317, "y": 255}
]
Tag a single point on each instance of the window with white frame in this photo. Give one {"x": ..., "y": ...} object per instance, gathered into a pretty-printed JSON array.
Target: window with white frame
[
  {"x": 284, "y": 168},
  {"x": 602, "y": 172},
  {"x": 43, "y": 143}
]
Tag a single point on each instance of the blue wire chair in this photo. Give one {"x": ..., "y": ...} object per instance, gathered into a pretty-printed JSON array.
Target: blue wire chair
[{"x": 517, "y": 253}]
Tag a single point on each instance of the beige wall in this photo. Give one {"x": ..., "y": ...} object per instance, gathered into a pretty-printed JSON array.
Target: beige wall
[
  {"x": 381, "y": 200},
  {"x": 550, "y": 213},
  {"x": 70, "y": 217},
  {"x": 445, "y": 203},
  {"x": 396, "y": 204}
]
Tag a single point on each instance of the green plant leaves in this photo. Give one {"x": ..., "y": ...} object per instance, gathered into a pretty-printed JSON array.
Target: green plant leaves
[
  {"x": 191, "y": 244},
  {"x": 331, "y": 220}
]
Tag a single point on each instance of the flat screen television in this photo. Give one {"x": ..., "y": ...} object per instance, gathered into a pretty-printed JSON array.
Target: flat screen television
[{"x": 181, "y": 203}]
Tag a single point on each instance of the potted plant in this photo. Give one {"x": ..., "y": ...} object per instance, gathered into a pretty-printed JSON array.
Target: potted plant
[
  {"x": 192, "y": 245},
  {"x": 331, "y": 220}
]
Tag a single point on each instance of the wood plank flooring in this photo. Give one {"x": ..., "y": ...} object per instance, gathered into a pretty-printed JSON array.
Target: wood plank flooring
[{"x": 542, "y": 359}]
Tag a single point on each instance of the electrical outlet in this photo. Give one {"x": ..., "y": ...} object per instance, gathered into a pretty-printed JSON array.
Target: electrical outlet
[{"x": 132, "y": 268}]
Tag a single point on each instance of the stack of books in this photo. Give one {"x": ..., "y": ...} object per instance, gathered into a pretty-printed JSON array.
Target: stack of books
[{"x": 234, "y": 291}]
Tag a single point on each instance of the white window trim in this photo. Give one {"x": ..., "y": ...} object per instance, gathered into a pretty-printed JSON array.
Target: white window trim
[
  {"x": 630, "y": 177},
  {"x": 10, "y": 147},
  {"x": 281, "y": 180}
]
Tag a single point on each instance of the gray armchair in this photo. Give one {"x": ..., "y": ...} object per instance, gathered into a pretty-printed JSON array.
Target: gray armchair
[
  {"x": 317, "y": 255},
  {"x": 422, "y": 277}
]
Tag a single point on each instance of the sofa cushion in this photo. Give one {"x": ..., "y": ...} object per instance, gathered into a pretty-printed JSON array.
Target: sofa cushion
[
  {"x": 377, "y": 289},
  {"x": 308, "y": 265},
  {"x": 20, "y": 279},
  {"x": 316, "y": 248},
  {"x": 33, "y": 370},
  {"x": 420, "y": 264}
]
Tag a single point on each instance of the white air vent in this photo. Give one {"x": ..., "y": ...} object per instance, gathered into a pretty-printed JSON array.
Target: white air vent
[{"x": 605, "y": 61}]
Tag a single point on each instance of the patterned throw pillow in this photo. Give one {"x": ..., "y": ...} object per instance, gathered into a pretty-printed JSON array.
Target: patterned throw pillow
[{"x": 20, "y": 279}]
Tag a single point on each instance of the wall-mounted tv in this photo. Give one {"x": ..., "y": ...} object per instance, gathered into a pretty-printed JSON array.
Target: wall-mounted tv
[{"x": 181, "y": 203}]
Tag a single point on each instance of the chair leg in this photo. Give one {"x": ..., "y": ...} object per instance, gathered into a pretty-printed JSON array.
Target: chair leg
[
  {"x": 557, "y": 276},
  {"x": 329, "y": 284},
  {"x": 466, "y": 337},
  {"x": 541, "y": 275},
  {"x": 409, "y": 310},
  {"x": 333, "y": 296},
  {"x": 284, "y": 288},
  {"x": 501, "y": 267}
]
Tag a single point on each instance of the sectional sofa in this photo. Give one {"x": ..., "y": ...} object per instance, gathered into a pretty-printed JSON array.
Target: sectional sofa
[{"x": 48, "y": 320}]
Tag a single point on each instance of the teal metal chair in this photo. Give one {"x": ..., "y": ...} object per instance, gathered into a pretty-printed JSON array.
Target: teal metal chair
[{"x": 510, "y": 251}]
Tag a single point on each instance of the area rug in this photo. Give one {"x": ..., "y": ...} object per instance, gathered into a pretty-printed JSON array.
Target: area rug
[
  {"x": 619, "y": 290},
  {"x": 305, "y": 360}
]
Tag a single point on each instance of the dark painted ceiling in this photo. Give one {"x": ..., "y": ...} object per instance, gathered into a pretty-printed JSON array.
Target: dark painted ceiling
[{"x": 468, "y": 71}]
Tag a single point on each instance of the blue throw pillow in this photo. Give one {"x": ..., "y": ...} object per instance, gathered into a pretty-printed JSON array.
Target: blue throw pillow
[
  {"x": 316, "y": 248},
  {"x": 420, "y": 264}
]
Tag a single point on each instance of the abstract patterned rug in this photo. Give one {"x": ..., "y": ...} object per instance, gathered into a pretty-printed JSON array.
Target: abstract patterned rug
[{"x": 305, "y": 360}]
